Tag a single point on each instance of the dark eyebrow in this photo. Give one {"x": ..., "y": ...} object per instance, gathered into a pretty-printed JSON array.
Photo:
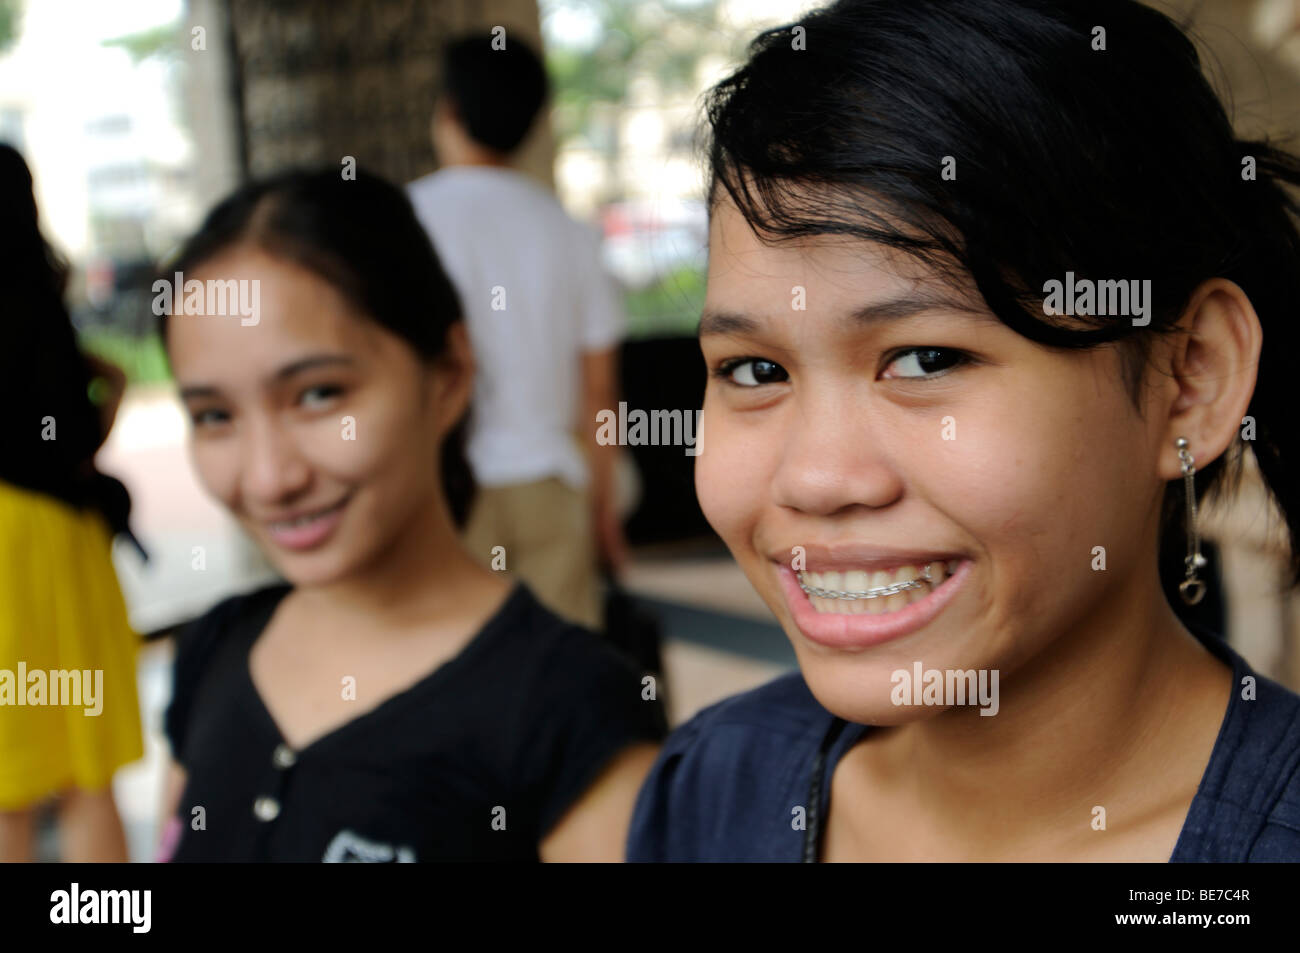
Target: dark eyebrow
[
  {"x": 308, "y": 363},
  {"x": 198, "y": 390},
  {"x": 905, "y": 306},
  {"x": 289, "y": 370}
]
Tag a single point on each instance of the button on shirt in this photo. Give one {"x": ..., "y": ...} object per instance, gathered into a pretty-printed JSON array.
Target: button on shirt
[
  {"x": 476, "y": 761},
  {"x": 728, "y": 782},
  {"x": 535, "y": 296}
]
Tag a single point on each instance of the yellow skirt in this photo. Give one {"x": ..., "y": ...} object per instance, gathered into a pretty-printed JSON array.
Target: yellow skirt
[{"x": 64, "y": 628}]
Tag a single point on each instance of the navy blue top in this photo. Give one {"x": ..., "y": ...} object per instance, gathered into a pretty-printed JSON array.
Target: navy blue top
[{"x": 727, "y": 783}]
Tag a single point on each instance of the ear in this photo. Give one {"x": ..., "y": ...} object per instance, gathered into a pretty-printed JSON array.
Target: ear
[
  {"x": 1214, "y": 365},
  {"x": 453, "y": 379}
]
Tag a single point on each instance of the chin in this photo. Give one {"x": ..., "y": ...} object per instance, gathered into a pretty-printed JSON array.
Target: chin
[
  {"x": 900, "y": 687},
  {"x": 854, "y": 692},
  {"x": 844, "y": 695},
  {"x": 312, "y": 568},
  {"x": 301, "y": 572}
]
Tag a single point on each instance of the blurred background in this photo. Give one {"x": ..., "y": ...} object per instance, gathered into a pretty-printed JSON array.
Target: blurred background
[{"x": 137, "y": 115}]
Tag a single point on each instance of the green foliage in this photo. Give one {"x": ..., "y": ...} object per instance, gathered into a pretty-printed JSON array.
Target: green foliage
[
  {"x": 141, "y": 358},
  {"x": 9, "y": 28},
  {"x": 671, "y": 306},
  {"x": 663, "y": 40},
  {"x": 162, "y": 41}
]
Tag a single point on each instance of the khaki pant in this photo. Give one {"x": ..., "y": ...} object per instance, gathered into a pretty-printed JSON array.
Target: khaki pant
[{"x": 546, "y": 530}]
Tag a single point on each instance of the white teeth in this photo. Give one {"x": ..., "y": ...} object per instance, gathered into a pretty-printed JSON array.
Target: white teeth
[
  {"x": 302, "y": 520},
  {"x": 878, "y": 606},
  {"x": 900, "y": 599},
  {"x": 860, "y": 581}
]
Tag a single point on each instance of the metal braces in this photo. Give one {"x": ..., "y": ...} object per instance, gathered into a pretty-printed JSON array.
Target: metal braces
[{"x": 877, "y": 593}]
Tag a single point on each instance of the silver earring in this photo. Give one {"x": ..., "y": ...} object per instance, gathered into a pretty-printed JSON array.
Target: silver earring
[{"x": 1191, "y": 589}]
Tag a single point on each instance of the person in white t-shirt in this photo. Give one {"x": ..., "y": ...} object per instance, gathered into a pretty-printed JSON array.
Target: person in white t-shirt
[{"x": 544, "y": 321}]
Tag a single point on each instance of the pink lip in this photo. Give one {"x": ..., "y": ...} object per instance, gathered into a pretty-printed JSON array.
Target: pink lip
[
  {"x": 309, "y": 535},
  {"x": 844, "y": 631},
  {"x": 819, "y": 557}
]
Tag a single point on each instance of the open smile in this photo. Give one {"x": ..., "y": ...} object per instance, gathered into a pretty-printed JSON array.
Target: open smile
[
  {"x": 306, "y": 529},
  {"x": 856, "y": 608},
  {"x": 852, "y": 591}
]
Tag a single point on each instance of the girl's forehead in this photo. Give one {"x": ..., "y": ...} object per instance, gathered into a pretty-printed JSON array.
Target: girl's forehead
[
  {"x": 829, "y": 284},
  {"x": 298, "y": 313},
  {"x": 836, "y": 278},
  {"x": 292, "y": 302},
  {"x": 737, "y": 254}
]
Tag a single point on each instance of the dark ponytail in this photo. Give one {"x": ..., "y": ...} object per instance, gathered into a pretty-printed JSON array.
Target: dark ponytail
[
  {"x": 362, "y": 236},
  {"x": 1110, "y": 162}
]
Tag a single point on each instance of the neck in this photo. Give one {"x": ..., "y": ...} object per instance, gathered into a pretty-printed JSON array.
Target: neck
[
  {"x": 484, "y": 162},
  {"x": 472, "y": 154}
]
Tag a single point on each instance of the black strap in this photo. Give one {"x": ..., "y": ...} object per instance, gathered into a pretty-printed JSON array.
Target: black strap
[{"x": 812, "y": 833}]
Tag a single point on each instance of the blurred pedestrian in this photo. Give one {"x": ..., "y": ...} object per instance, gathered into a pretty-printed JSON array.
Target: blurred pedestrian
[{"x": 544, "y": 321}]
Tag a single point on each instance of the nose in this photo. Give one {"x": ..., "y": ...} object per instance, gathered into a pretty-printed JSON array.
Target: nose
[
  {"x": 273, "y": 470},
  {"x": 833, "y": 458}
]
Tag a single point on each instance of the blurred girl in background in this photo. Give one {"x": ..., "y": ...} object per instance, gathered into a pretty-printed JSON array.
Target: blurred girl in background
[
  {"x": 395, "y": 700},
  {"x": 61, "y": 609}
]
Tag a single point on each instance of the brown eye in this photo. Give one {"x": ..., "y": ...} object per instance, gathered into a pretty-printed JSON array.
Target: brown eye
[
  {"x": 923, "y": 362},
  {"x": 317, "y": 396},
  {"x": 753, "y": 372},
  {"x": 209, "y": 417}
]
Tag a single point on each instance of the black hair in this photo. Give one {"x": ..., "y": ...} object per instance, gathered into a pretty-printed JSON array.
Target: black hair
[
  {"x": 1107, "y": 154},
  {"x": 42, "y": 370},
  {"x": 497, "y": 92},
  {"x": 362, "y": 236}
]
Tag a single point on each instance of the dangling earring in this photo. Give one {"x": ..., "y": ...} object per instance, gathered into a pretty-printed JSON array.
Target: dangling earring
[{"x": 1191, "y": 589}]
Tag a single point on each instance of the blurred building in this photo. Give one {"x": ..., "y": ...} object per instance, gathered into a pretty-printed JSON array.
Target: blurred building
[{"x": 316, "y": 82}]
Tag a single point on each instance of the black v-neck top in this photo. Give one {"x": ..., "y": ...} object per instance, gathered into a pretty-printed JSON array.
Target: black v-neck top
[{"x": 475, "y": 761}]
